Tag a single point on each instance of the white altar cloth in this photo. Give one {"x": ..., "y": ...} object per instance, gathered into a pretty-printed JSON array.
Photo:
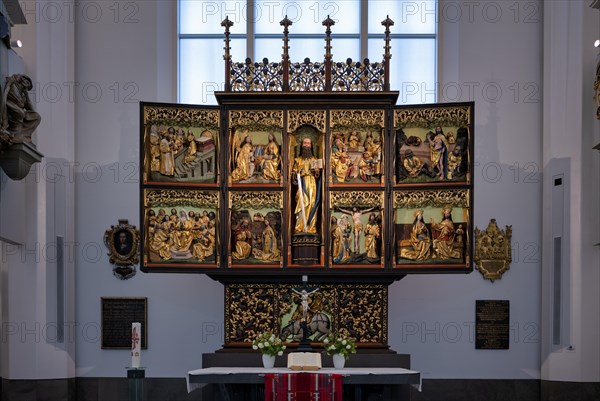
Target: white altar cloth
[{"x": 197, "y": 378}]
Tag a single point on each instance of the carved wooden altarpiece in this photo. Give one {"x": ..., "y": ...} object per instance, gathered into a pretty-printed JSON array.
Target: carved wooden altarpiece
[{"x": 307, "y": 169}]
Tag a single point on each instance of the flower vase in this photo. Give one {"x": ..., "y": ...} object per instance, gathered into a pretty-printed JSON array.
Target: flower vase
[
  {"x": 268, "y": 361},
  {"x": 339, "y": 361}
]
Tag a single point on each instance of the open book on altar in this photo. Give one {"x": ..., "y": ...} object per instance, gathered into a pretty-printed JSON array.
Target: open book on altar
[{"x": 304, "y": 361}]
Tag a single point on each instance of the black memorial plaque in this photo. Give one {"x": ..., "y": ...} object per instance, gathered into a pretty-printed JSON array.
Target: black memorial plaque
[
  {"x": 492, "y": 324},
  {"x": 117, "y": 316}
]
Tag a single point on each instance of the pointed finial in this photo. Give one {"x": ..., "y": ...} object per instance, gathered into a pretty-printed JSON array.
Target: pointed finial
[
  {"x": 227, "y": 23},
  {"x": 285, "y": 23},
  {"x": 328, "y": 22},
  {"x": 387, "y": 23}
]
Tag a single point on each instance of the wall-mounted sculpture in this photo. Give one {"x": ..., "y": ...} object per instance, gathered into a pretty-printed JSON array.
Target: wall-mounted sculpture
[
  {"x": 18, "y": 120},
  {"x": 493, "y": 252}
]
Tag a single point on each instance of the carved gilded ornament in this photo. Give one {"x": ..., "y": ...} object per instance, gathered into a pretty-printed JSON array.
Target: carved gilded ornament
[
  {"x": 417, "y": 199},
  {"x": 429, "y": 117},
  {"x": 357, "y": 311},
  {"x": 249, "y": 311},
  {"x": 174, "y": 197},
  {"x": 183, "y": 117},
  {"x": 256, "y": 119},
  {"x": 349, "y": 199},
  {"x": 298, "y": 118},
  {"x": 360, "y": 315},
  {"x": 255, "y": 200},
  {"x": 493, "y": 253},
  {"x": 357, "y": 118}
]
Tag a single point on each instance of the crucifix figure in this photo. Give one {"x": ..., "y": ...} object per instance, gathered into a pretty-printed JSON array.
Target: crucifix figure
[{"x": 304, "y": 300}]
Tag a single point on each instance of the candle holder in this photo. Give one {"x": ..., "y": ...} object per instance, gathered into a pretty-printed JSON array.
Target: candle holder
[{"x": 136, "y": 376}]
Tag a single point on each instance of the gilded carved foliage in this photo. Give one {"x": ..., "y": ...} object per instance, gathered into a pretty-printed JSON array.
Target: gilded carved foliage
[
  {"x": 358, "y": 311},
  {"x": 249, "y": 311},
  {"x": 416, "y": 199},
  {"x": 256, "y": 119},
  {"x": 298, "y": 118},
  {"x": 184, "y": 117},
  {"x": 363, "y": 314},
  {"x": 175, "y": 197},
  {"x": 434, "y": 116},
  {"x": 357, "y": 118},
  {"x": 349, "y": 199},
  {"x": 256, "y": 200}
]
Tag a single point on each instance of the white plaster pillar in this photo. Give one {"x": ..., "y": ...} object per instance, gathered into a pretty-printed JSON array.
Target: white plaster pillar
[
  {"x": 33, "y": 273},
  {"x": 570, "y": 132}
]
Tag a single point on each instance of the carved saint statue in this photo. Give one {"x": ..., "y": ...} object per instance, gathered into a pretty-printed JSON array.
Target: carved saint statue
[
  {"x": 306, "y": 175},
  {"x": 18, "y": 119}
]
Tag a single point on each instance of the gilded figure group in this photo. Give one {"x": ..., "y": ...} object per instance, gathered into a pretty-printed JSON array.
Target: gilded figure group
[{"x": 181, "y": 235}]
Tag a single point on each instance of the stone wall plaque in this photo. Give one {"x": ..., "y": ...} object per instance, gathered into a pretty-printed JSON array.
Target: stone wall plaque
[
  {"x": 492, "y": 324},
  {"x": 117, "y": 316}
]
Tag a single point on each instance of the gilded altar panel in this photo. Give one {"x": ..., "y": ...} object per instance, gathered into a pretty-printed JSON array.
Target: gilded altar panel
[
  {"x": 433, "y": 145},
  {"x": 356, "y": 147},
  {"x": 256, "y": 229},
  {"x": 180, "y": 145},
  {"x": 431, "y": 228},
  {"x": 181, "y": 228},
  {"x": 255, "y": 142},
  {"x": 356, "y": 228}
]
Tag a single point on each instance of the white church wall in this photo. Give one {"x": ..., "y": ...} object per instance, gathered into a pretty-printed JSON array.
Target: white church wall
[
  {"x": 43, "y": 211},
  {"x": 130, "y": 59},
  {"x": 490, "y": 52}
]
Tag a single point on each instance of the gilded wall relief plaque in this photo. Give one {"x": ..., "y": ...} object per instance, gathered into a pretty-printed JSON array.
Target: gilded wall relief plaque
[
  {"x": 493, "y": 252},
  {"x": 431, "y": 228},
  {"x": 433, "y": 145},
  {"x": 181, "y": 144},
  {"x": 256, "y": 228},
  {"x": 182, "y": 227},
  {"x": 356, "y": 228}
]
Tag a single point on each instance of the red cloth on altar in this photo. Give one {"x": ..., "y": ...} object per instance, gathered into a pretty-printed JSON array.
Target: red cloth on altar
[{"x": 303, "y": 387}]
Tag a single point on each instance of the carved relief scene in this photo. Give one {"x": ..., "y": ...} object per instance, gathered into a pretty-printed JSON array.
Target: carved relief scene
[
  {"x": 356, "y": 155},
  {"x": 256, "y": 145},
  {"x": 432, "y": 145},
  {"x": 181, "y": 145},
  {"x": 181, "y": 227},
  {"x": 256, "y": 228},
  {"x": 356, "y": 227},
  {"x": 432, "y": 227},
  {"x": 320, "y": 306}
]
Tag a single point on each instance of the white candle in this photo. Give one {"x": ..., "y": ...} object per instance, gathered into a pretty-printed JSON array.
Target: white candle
[{"x": 136, "y": 344}]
